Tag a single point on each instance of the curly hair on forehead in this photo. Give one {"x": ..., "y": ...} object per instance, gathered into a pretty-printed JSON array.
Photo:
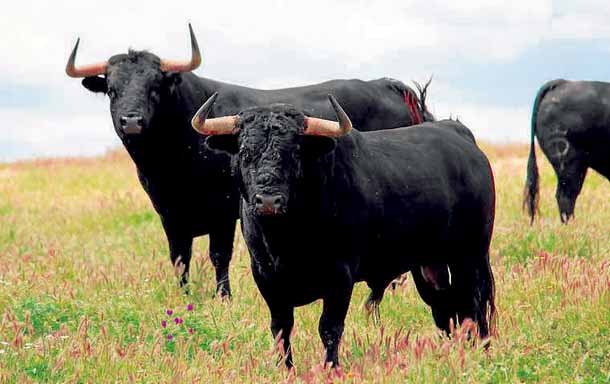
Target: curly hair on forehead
[
  {"x": 275, "y": 114},
  {"x": 136, "y": 56}
]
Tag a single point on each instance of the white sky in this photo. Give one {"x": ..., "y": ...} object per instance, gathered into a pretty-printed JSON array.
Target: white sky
[{"x": 271, "y": 44}]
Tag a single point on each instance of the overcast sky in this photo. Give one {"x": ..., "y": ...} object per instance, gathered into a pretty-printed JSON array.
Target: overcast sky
[{"x": 488, "y": 57}]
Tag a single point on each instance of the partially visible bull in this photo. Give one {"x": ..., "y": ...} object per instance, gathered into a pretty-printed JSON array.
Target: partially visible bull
[{"x": 571, "y": 120}]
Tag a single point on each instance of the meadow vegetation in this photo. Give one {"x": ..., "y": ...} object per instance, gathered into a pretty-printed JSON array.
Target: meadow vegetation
[{"x": 86, "y": 285}]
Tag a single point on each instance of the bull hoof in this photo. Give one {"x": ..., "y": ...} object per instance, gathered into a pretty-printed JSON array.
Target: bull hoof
[{"x": 224, "y": 293}]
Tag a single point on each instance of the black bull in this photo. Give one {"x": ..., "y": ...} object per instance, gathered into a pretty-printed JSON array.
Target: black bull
[
  {"x": 151, "y": 104},
  {"x": 320, "y": 214},
  {"x": 571, "y": 120}
]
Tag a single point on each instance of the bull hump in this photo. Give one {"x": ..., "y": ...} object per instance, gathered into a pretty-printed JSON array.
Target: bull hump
[{"x": 392, "y": 80}]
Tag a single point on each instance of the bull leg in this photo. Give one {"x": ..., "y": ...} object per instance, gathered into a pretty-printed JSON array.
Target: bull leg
[
  {"x": 473, "y": 292},
  {"x": 282, "y": 320},
  {"x": 570, "y": 179},
  {"x": 438, "y": 299},
  {"x": 465, "y": 295},
  {"x": 221, "y": 250},
  {"x": 373, "y": 301},
  {"x": 180, "y": 251},
  {"x": 332, "y": 321}
]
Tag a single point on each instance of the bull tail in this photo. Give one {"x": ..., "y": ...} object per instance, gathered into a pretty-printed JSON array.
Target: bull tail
[
  {"x": 423, "y": 93},
  {"x": 530, "y": 194},
  {"x": 488, "y": 296}
]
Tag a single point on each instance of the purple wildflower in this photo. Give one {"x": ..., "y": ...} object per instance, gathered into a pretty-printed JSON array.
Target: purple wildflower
[
  {"x": 178, "y": 320},
  {"x": 190, "y": 331},
  {"x": 163, "y": 323},
  {"x": 189, "y": 307},
  {"x": 170, "y": 337},
  {"x": 169, "y": 312}
]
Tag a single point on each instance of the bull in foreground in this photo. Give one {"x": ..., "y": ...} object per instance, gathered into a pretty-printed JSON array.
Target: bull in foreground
[
  {"x": 152, "y": 101},
  {"x": 325, "y": 206},
  {"x": 571, "y": 120}
]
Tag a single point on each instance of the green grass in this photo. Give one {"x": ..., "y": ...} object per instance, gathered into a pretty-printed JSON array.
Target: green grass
[{"x": 85, "y": 281}]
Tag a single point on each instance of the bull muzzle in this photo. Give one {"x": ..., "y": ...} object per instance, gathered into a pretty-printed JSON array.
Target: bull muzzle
[
  {"x": 269, "y": 205},
  {"x": 131, "y": 124}
]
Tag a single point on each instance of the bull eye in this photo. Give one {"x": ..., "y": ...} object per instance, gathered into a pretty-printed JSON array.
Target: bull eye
[{"x": 111, "y": 93}]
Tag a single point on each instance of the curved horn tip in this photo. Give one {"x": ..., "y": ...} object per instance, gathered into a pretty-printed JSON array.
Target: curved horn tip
[
  {"x": 195, "y": 51},
  {"x": 70, "y": 66},
  {"x": 184, "y": 66},
  {"x": 86, "y": 70},
  {"x": 207, "y": 105},
  {"x": 198, "y": 120},
  {"x": 335, "y": 103},
  {"x": 344, "y": 120},
  {"x": 72, "y": 58}
]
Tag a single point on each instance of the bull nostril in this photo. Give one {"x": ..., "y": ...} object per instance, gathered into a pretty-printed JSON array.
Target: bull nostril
[
  {"x": 140, "y": 121},
  {"x": 277, "y": 202},
  {"x": 123, "y": 120},
  {"x": 258, "y": 200}
]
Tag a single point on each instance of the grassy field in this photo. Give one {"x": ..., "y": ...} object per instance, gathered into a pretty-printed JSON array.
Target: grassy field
[{"x": 85, "y": 284}]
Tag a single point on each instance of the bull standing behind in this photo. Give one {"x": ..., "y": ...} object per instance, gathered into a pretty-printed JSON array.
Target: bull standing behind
[
  {"x": 325, "y": 206},
  {"x": 152, "y": 102},
  {"x": 571, "y": 120}
]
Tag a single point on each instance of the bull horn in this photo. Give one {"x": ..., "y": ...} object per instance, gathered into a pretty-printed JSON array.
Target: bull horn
[
  {"x": 225, "y": 125},
  {"x": 321, "y": 127},
  {"x": 185, "y": 66},
  {"x": 85, "y": 70}
]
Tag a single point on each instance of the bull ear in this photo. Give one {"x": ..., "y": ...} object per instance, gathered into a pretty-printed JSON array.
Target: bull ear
[
  {"x": 223, "y": 143},
  {"x": 317, "y": 146},
  {"x": 95, "y": 84}
]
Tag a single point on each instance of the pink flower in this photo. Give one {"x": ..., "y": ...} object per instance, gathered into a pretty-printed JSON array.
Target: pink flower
[
  {"x": 163, "y": 323},
  {"x": 170, "y": 337},
  {"x": 190, "y": 331},
  {"x": 169, "y": 312},
  {"x": 189, "y": 307},
  {"x": 178, "y": 320}
]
